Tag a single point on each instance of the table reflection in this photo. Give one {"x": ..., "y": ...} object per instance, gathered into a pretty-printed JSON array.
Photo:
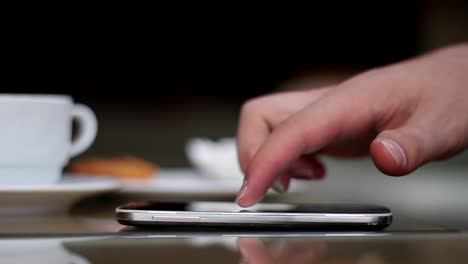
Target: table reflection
[
  {"x": 377, "y": 250},
  {"x": 46, "y": 250},
  {"x": 255, "y": 251},
  {"x": 247, "y": 248}
]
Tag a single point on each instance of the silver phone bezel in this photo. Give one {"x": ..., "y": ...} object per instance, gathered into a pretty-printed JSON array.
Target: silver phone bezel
[{"x": 223, "y": 218}]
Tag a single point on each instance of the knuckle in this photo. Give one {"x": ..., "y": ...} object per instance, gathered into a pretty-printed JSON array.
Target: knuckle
[
  {"x": 255, "y": 106},
  {"x": 250, "y": 106}
]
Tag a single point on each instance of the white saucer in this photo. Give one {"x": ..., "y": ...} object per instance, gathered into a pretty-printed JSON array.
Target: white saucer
[
  {"x": 52, "y": 198},
  {"x": 170, "y": 183},
  {"x": 180, "y": 182}
]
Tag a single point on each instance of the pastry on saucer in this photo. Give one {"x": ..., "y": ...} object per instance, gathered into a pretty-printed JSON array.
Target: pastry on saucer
[{"x": 122, "y": 167}]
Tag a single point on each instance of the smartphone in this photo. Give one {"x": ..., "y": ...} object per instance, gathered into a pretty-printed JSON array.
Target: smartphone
[{"x": 199, "y": 214}]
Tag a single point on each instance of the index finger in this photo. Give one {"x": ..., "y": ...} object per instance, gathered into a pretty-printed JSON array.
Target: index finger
[
  {"x": 259, "y": 117},
  {"x": 252, "y": 132},
  {"x": 305, "y": 132}
]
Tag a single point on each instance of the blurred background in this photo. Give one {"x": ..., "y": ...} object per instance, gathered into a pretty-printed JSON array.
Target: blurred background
[{"x": 156, "y": 79}]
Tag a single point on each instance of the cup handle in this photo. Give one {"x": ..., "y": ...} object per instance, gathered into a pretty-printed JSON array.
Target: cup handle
[{"x": 87, "y": 129}]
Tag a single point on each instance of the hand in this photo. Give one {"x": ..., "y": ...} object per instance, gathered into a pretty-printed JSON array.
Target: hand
[{"x": 405, "y": 115}]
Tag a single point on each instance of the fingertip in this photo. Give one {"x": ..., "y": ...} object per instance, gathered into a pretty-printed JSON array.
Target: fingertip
[
  {"x": 384, "y": 160},
  {"x": 246, "y": 202},
  {"x": 261, "y": 176},
  {"x": 241, "y": 196},
  {"x": 247, "y": 197}
]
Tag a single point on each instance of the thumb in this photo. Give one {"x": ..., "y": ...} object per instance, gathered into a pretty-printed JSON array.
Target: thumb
[{"x": 400, "y": 151}]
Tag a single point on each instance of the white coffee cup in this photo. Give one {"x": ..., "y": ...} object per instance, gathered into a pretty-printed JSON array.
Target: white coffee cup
[{"x": 36, "y": 136}]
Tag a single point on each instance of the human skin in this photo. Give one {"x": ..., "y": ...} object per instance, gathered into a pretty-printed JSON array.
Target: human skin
[
  {"x": 255, "y": 251},
  {"x": 404, "y": 115}
]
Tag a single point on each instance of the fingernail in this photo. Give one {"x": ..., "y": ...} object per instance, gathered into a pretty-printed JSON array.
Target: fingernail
[
  {"x": 395, "y": 150},
  {"x": 242, "y": 192},
  {"x": 278, "y": 186}
]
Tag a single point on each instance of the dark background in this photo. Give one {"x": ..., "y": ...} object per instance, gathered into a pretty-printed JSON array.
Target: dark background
[
  {"x": 222, "y": 55},
  {"x": 157, "y": 78}
]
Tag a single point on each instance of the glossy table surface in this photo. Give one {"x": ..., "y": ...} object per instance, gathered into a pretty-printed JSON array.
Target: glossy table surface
[
  {"x": 89, "y": 234},
  {"x": 430, "y": 226},
  {"x": 443, "y": 247}
]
